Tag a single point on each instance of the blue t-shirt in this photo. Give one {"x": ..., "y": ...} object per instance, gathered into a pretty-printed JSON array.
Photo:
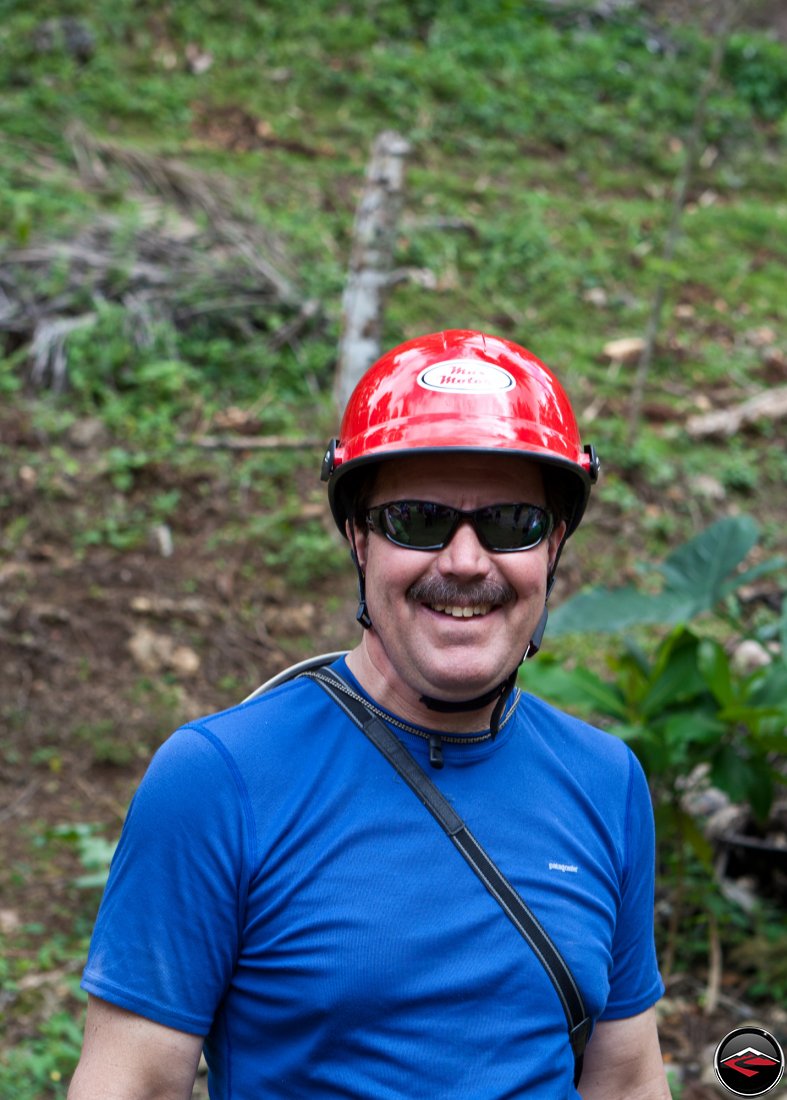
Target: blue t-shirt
[{"x": 280, "y": 890}]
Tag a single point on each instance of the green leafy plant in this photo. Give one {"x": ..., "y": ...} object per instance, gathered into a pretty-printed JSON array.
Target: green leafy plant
[
  {"x": 685, "y": 707},
  {"x": 687, "y": 704},
  {"x": 95, "y": 851},
  {"x": 761, "y": 955},
  {"x": 42, "y": 1066},
  {"x": 754, "y": 66}
]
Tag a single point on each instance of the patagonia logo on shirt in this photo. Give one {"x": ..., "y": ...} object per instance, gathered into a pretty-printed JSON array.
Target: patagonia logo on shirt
[{"x": 566, "y": 868}]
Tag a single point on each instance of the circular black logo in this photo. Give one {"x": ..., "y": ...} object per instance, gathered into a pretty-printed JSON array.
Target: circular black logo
[{"x": 749, "y": 1062}]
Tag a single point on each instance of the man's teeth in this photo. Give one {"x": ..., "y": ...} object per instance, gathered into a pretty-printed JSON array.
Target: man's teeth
[{"x": 463, "y": 612}]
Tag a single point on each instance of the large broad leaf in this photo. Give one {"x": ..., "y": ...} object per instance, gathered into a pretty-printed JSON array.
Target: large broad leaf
[
  {"x": 612, "y": 609},
  {"x": 694, "y": 581},
  {"x": 703, "y": 564}
]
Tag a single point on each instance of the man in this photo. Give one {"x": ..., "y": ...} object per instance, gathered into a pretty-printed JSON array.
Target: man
[{"x": 280, "y": 895}]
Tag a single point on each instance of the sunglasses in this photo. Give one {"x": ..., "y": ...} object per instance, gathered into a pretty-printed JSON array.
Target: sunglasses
[{"x": 422, "y": 525}]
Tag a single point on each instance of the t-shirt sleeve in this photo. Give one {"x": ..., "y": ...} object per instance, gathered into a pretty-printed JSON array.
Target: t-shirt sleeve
[
  {"x": 635, "y": 982},
  {"x": 168, "y": 928}
]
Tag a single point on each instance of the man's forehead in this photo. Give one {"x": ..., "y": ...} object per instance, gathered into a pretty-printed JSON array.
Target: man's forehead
[{"x": 460, "y": 470}]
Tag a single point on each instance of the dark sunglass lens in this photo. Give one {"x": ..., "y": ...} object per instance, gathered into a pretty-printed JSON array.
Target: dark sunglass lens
[
  {"x": 513, "y": 526},
  {"x": 396, "y": 521},
  {"x": 418, "y": 523}
]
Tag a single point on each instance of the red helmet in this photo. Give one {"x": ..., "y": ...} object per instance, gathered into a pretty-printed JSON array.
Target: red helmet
[{"x": 460, "y": 390}]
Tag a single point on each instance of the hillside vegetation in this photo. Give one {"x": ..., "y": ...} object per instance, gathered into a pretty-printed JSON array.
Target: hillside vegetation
[{"x": 178, "y": 186}]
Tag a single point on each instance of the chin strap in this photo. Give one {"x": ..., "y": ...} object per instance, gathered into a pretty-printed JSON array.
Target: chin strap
[
  {"x": 499, "y": 693},
  {"x": 534, "y": 644},
  {"x": 362, "y": 614}
]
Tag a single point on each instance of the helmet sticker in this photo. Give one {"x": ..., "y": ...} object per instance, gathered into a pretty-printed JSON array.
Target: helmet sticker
[{"x": 466, "y": 376}]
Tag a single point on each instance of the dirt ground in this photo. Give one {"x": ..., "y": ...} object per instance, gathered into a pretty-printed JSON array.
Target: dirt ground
[{"x": 104, "y": 651}]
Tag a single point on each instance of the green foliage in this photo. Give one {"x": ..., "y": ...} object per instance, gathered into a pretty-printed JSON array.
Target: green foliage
[
  {"x": 41, "y": 1067},
  {"x": 114, "y": 368},
  {"x": 95, "y": 851},
  {"x": 675, "y": 1083},
  {"x": 761, "y": 956},
  {"x": 300, "y": 550},
  {"x": 685, "y": 707},
  {"x": 755, "y": 68},
  {"x": 304, "y": 554},
  {"x": 687, "y": 704},
  {"x": 542, "y": 101},
  {"x": 108, "y": 745},
  {"x": 698, "y": 577}
]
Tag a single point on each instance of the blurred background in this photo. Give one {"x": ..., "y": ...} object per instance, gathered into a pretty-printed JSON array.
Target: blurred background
[{"x": 188, "y": 195}]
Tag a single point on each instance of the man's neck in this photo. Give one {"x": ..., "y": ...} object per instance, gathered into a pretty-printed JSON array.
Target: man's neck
[{"x": 382, "y": 684}]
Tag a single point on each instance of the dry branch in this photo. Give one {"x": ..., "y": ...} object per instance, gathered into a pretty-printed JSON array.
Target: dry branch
[
  {"x": 768, "y": 405},
  {"x": 715, "y": 965},
  {"x": 251, "y": 442},
  {"x": 48, "y": 349}
]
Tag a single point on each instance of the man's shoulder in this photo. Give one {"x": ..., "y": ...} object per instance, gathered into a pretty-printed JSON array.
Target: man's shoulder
[
  {"x": 292, "y": 703},
  {"x": 569, "y": 734},
  {"x": 277, "y": 733}
]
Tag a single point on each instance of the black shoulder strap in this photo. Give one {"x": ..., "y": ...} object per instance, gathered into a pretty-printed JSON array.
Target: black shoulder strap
[{"x": 496, "y": 883}]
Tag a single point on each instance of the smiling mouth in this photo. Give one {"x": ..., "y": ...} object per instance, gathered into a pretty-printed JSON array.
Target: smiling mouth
[
  {"x": 461, "y": 601},
  {"x": 462, "y": 612}
]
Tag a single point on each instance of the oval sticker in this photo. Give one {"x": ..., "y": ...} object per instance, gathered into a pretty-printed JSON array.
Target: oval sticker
[{"x": 465, "y": 376}]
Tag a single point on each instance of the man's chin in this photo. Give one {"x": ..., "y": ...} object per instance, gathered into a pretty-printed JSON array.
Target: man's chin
[{"x": 453, "y": 688}]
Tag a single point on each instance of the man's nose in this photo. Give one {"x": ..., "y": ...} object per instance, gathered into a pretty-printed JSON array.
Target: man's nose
[{"x": 464, "y": 555}]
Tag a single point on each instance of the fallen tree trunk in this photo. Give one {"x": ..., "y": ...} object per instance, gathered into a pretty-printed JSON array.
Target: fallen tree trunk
[{"x": 371, "y": 262}]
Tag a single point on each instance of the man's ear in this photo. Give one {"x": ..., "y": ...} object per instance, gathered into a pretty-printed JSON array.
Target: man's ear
[
  {"x": 555, "y": 542},
  {"x": 358, "y": 538}
]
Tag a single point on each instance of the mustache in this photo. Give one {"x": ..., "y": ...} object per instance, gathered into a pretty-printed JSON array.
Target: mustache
[{"x": 441, "y": 590}]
